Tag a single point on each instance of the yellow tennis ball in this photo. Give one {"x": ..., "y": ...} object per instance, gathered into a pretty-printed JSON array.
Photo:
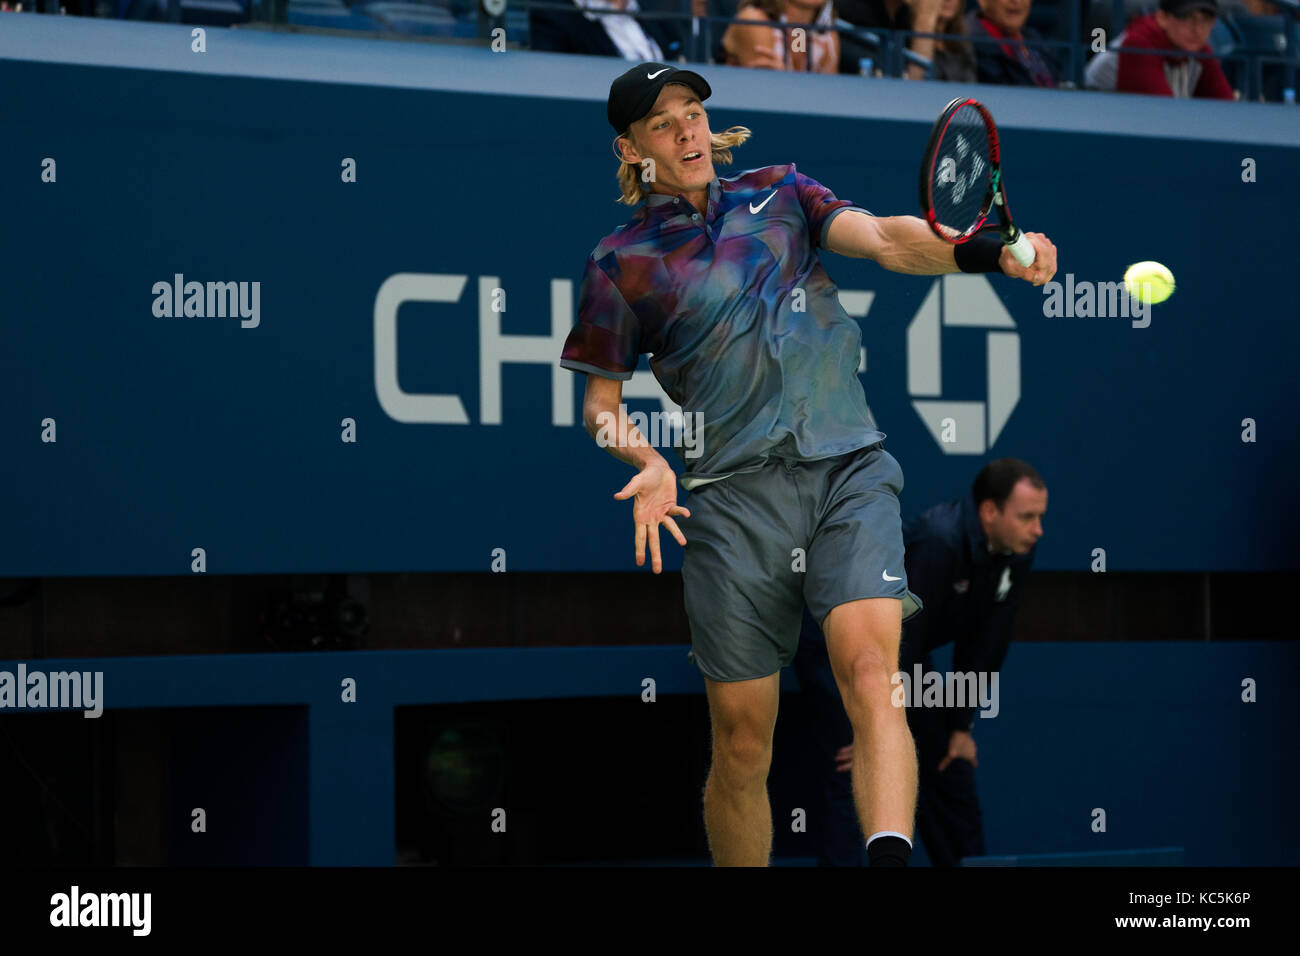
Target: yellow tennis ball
[{"x": 1149, "y": 282}]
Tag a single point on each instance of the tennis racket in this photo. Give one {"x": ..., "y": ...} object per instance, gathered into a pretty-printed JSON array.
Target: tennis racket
[{"x": 961, "y": 178}]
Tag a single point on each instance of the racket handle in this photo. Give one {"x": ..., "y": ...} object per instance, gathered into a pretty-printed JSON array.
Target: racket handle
[{"x": 1023, "y": 250}]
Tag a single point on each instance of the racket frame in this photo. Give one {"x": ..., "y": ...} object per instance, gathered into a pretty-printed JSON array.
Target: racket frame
[{"x": 995, "y": 193}]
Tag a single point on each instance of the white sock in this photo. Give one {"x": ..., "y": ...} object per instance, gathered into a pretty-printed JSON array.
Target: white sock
[{"x": 888, "y": 833}]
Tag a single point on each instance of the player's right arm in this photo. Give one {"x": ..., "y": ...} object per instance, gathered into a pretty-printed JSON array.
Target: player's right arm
[
  {"x": 605, "y": 344},
  {"x": 654, "y": 486},
  {"x": 613, "y": 432}
]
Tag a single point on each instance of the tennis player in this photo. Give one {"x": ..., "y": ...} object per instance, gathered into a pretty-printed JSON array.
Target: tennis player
[{"x": 793, "y": 496}]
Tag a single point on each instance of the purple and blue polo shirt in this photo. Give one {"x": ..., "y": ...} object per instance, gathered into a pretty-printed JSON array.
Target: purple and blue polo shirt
[{"x": 714, "y": 300}]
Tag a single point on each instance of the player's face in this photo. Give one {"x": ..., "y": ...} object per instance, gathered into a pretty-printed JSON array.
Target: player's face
[
  {"x": 675, "y": 128},
  {"x": 1190, "y": 32},
  {"x": 1007, "y": 15},
  {"x": 1020, "y": 523}
]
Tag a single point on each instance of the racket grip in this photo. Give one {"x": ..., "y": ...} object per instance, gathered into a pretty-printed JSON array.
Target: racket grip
[{"x": 1023, "y": 250}]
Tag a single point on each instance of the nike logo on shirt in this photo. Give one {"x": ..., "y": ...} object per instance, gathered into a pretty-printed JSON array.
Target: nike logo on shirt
[{"x": 753, "y": 208}]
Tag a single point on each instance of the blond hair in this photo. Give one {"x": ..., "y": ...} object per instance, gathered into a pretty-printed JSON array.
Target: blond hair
[{"x": 629, "y": 174}]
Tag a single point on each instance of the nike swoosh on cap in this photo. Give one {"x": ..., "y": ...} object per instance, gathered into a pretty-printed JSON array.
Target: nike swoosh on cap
[
  {"x": 651, "y": 76},
  {"x": 753, "y": 208}
]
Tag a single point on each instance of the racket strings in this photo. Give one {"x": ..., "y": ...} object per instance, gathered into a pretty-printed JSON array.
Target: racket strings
[{"x": 960, "y": 186}]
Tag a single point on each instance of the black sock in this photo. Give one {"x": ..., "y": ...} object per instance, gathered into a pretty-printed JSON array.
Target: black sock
[{"x": 888, "y": 850}]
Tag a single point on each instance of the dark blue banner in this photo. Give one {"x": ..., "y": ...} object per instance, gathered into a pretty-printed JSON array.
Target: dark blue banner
[{"x": 257, "y": 324}]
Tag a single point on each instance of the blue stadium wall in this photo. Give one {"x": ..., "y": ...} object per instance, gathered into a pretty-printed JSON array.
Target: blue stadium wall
[
  {"x": 491, "y": 170},
  {"x": 487, "y": 170},
  {"x": 1155, "y": 734}
]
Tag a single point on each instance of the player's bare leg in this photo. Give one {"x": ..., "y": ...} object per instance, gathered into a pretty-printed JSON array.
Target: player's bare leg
[
  {"x": 737, "y": 812},
  {"x": 862, "y": 638}
]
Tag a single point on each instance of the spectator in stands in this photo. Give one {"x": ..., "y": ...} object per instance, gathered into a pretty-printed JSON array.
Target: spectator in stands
[
  {"x": 763, "y": 47},
  {"x": 616, "y": 33},
  {"x": 954, "y": 60},
  {"x": 1178, "y": 26},
  {"x": 967, "y": 561},
  {"x": 1011, "y": 61},
  {"x": 1100, "y": 72},
  {"x": 922, "y": 16}
]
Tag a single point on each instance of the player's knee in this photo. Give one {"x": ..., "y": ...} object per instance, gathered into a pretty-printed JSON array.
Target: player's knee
[
  {"x": 870, "y": 680},
  {"x": 741, "y": 756}
]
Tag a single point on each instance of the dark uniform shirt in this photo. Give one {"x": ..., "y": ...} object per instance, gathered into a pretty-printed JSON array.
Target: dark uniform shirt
[{"x": 970, "y": 595}]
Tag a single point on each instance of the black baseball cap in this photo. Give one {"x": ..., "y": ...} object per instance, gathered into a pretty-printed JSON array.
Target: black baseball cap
[
  {"x": 632, "y": 95},
  {"x": 1180, "y": 7}
]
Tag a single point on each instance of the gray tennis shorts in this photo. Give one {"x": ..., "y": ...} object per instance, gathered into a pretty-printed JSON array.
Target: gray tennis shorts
[{"x": 761, "y": 544}]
